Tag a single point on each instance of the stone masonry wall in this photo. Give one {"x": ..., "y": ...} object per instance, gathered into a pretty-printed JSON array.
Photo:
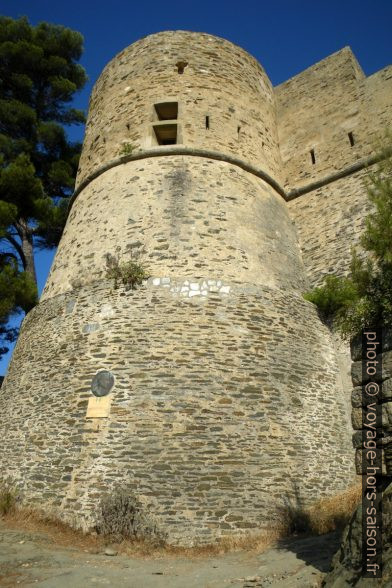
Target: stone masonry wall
[
  {"x": 359, "y": 400},
  {"x": 189, "y": 214},
  {"x": 318, "y": 108},
  {"x": 227, "y": 399},
  {"x": 347, "y": 564},
  {"x": 337, "y": 212},
  {"x": 220, "y": 81}
]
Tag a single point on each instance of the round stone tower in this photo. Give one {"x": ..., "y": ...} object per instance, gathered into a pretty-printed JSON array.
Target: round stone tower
[{"x": 212, "y": 391}]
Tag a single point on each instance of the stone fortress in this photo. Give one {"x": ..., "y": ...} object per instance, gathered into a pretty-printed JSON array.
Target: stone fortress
[{"x": 213, "y": 391}]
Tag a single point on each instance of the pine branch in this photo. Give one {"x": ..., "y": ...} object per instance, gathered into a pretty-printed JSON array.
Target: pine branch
[{"x": 18, "y": 248}]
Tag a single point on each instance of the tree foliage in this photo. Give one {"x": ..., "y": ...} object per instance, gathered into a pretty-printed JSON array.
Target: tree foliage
[
  {"x": 39, "y": 76},
  {"x": 18, "y": 293},
  {"x": 364, "y": 297}
]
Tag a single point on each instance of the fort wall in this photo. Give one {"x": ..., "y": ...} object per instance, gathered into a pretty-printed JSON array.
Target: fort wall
[
  {"x": 230, "y": 395},
  {"x": 338, "y": 212},
  {"x": 334, "y": 111},
  {"x": 227, "y": 401},
  {"x": 219, "y": 81},
  {"x": 187, "y": 216}
]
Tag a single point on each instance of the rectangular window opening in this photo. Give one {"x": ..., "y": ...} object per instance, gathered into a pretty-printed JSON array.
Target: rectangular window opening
[
  {"x": 166, "y": 110},
  {"x": 312, "y": 156},
  {"x": 207, "y": 122},
  {"x": 166, "y": 134},
  {"x": 351, "y": 139}
]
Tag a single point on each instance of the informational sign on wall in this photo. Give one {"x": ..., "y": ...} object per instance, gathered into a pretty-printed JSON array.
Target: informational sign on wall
[{"x": 98, "y": 407}]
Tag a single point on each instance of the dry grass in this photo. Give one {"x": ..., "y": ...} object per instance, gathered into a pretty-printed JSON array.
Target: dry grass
[
  {"x": 329, "y": 514},
  {"x": 32, "y": 521},
  {"x": 8, "y": 497},
  {"x": 324, "y": 516},
  {"x": 61, "y": 534},
  {"x": 256, "y": 543}
]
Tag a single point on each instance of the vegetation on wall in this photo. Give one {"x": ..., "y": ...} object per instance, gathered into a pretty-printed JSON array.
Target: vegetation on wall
[
  {"x": 127, "y": 149},
  {"x": 39, "y": 76},
  {"x": 129, "y": 273},
  {"x": 364, "y": 297}
]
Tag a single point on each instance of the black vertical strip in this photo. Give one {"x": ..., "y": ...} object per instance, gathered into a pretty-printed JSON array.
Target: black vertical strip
[{"x": 372, "y": 482}]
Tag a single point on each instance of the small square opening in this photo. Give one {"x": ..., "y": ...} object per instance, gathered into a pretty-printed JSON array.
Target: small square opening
[
  {"x": 166, "y": 134},
  {"x": 167, "y": 110}
]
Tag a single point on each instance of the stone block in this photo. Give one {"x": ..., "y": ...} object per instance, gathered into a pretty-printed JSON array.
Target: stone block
[
  {"x": 356, "y": 344},
  {"x": 363, "y": 465},
  {"x": 356, "y": 418},
  {"x": 385, "y": 373}
]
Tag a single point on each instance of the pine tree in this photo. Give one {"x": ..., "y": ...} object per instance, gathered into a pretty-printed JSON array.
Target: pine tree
[{"x": 39, "y": 76}]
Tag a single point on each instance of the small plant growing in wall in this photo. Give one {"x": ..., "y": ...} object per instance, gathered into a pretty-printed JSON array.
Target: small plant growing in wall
[
  {"x": 129, "y": 273},
  {"x": 127, "y": 149}
]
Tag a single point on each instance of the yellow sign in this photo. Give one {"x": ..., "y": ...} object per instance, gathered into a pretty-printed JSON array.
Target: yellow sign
[{"x": 98, "y": 407}]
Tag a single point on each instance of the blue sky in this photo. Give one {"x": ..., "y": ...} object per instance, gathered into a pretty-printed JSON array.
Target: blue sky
[{"x": 285, "y": 36}]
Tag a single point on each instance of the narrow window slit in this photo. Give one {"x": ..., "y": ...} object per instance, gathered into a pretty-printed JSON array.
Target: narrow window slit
[
  {"x": 312, "y": 156},
  {"x": 351, "y": 139},
  {"x": 181, "y": 65},
  {"x": 207, "y": 122}
]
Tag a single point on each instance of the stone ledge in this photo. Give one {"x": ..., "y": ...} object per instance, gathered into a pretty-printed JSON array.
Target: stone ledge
[
  {"x": 178, "y": 150},
  {"x": 217, "y": 156},
  {"x": 214, "y": 285}
]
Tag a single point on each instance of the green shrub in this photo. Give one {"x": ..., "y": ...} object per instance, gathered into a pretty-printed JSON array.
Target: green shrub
[
  {"x": 334, "y": 295},
  {"x": 364, "y": 298},
  {"x": 127, "y": 149},
  {"x": 130, "y": 273}
]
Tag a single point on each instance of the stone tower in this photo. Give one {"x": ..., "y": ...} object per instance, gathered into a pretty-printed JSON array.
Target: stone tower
[{"x": 222, "y": 392}]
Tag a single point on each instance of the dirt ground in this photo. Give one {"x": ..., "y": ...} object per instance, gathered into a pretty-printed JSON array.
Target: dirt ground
[{"x": 36, "y": 559}]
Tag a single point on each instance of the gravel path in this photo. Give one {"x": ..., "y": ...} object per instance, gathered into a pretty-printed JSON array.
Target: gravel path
[{"x": 34, "y": 559}]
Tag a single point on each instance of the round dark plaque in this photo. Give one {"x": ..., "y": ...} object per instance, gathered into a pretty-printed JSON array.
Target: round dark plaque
[{"x": 102, "y": 383}]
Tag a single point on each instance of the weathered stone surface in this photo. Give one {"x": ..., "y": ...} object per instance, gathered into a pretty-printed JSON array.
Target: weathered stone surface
[
  {"x": 359, "y": 397},
  {"x": 387, "y": 416},
  {"x": 357, "y": 418},
  {"x": 386, "y": 392},
  {"x": 221, "y": 80},
  {"x": 192, "y": 205},
  {"x": 330, "y": 219},
  {"x": 347, "y": 564}
]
